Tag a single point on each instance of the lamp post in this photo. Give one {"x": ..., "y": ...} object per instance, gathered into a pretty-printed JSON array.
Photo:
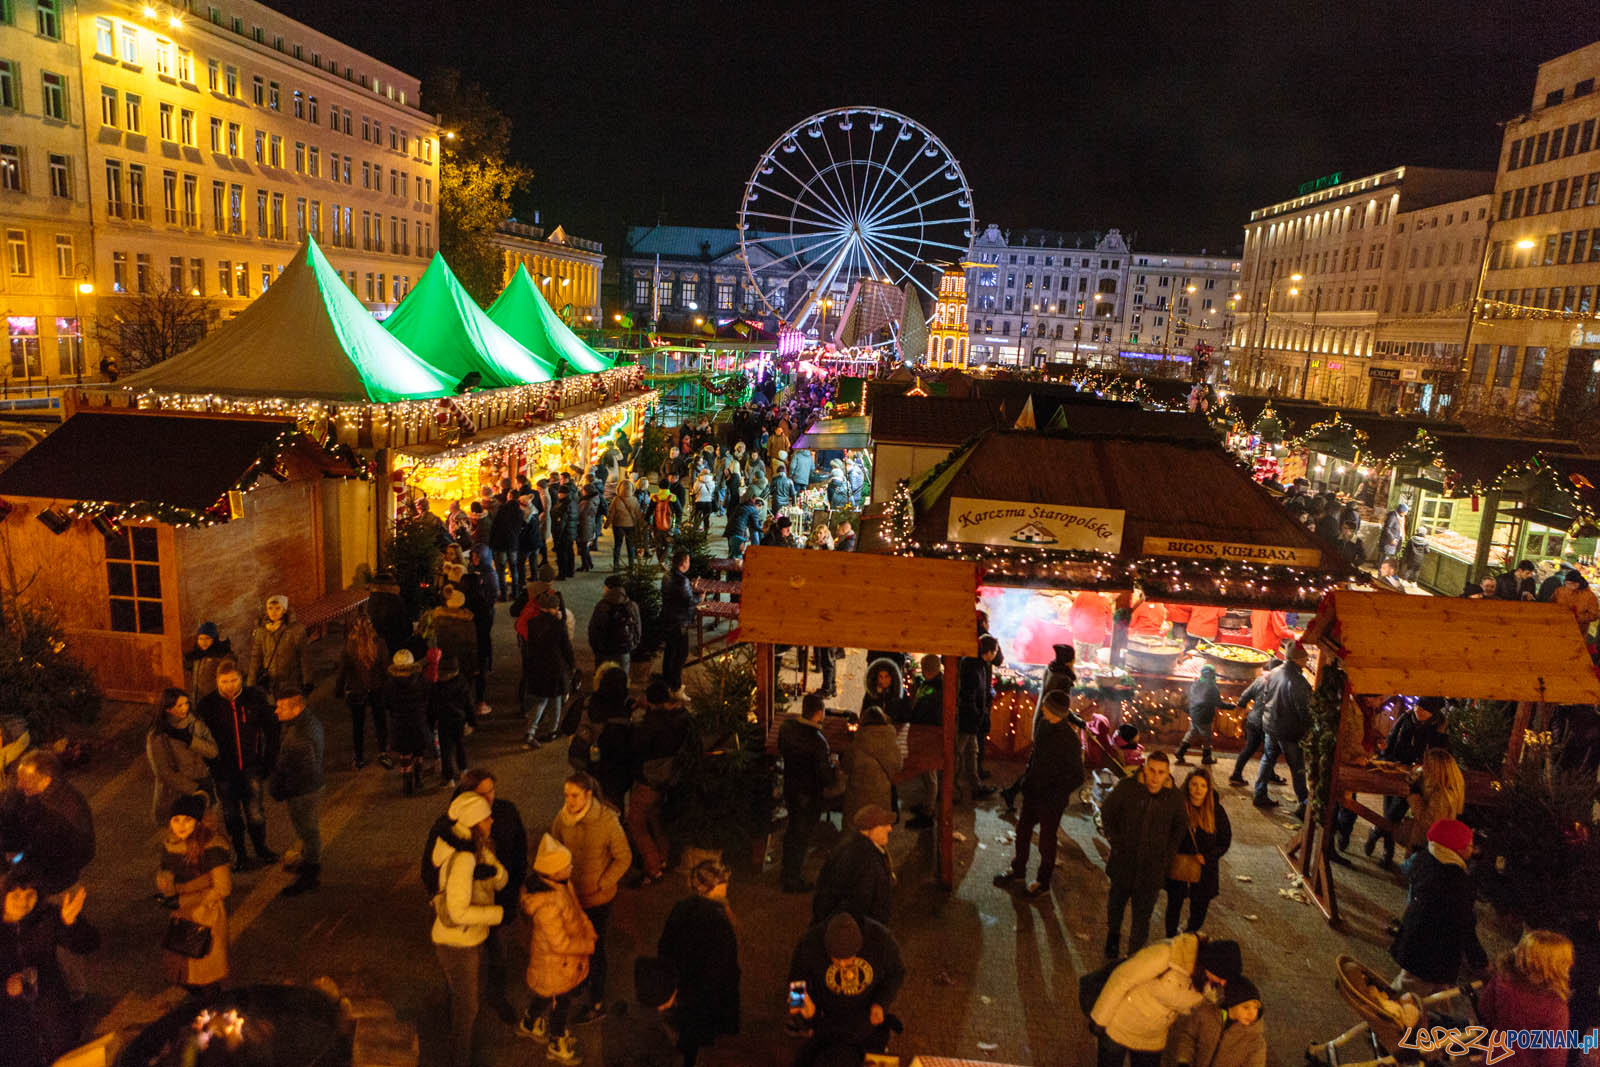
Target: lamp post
[
  {"x": 83, "y": 288},
  {"x": 1311, "y": 341},
  {"x": 1524, "y": 244},
  {"x": 1167, "y": 334},
  {"x": 1266, "y": 315}
]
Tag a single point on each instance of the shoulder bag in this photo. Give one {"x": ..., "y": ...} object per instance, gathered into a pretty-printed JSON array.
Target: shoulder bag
[{"x": 1186, "y": 866}]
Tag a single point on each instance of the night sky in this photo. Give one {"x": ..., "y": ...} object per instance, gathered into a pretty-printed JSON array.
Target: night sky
[{"x": 1169, "y": 120}]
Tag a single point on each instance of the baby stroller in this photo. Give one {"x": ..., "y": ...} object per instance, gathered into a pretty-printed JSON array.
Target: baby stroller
[
  {"x": 1387, "y": 1017},
  {"x": 1109, "y": 756}
]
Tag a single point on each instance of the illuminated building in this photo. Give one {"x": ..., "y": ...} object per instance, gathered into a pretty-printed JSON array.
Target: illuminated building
[
  {"x": 203, "y": 143},
  {"x": 1534, "y": 350},
  {"x": 1329, "y": 274},
  {"x": 566, "y": 269},
  {"x": 947, "y": 329},
  {"x": 1175, "y": 302}
]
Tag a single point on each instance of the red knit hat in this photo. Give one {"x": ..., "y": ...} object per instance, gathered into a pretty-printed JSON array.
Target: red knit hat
[{"x": 1453, "y": 834}]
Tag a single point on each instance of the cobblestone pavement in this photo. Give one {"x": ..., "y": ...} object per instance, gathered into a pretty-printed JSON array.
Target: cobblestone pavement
[{"x": 991, "y": 976}]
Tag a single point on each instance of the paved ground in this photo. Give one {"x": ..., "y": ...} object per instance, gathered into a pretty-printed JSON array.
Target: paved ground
[{"x": 992, "y": 977}]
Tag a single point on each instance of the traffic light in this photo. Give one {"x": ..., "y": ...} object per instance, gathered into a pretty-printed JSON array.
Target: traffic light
[{"x": 1080, "y": 309}]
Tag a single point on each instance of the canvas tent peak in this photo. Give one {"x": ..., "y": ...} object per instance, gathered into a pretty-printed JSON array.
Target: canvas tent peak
[
  {"x": 523, "y": 312},
  {"x": 305, "y": 337},
  {"x": 443, "y": 324}
]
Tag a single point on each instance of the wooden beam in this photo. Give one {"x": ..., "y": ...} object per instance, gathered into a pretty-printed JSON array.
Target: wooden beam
[
  {"x": 766, "y": 685},
  {"x": 1519, "y": 728},
  {"x": 947, "y": 780}
]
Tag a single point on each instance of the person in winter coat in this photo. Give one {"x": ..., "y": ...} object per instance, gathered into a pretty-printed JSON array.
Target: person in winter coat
[
  {"x": 1269, "y": 630},
  {"x": 194, "y": 873},
  {"x": 1227, "y": 1035},
  {"x": 1208, "y": 838},
  {"x": 801, "y": 466},
  {"x": 975, "y": 675},
  {"x": 388, "y": 610},
  {"x": 783, "y": 489},
  {"x": 656, "y": 741},
  {"x": 178, "y": 746},
  {"x": 405, "y": 698},
  {"x": 1439, "y": 927},
  {"x": 838, "y": 489},
  {"x": 807, "y": 774},
  {"x": 600, "y": 857},
  {"x": 1149, "y": 990},
  {"x": 588, "y": 509},
  {"x": 1285, "y": 718},
  {"x": 1053, "y": 775},
  {"x": 38, "y": 1022},
  {"x": 45, "y": 819},
  {"x": 564, "y": 530},
  {"x": 277, "y": 649},
  {"x": 1254, "y": 735},
  {"x": 1204, "y": 700},
  {"x": 870, "y": 763},
  {"x": 1144, "y": 822},
  {"x": 614, "y": 628},
  {"x": 858, "y": 878},
  {"x": 547, "y": 666},
  {"x": 851, "y": 970},
  {"x": 606, "y": 732},
  {"x": 558, "y": 958},
  {"x": 1529, "y": 990},
  {"x": 464, "y": 911},
  {"x": 1393, "y": 534},
  {"x": 886, "y": 688},
  {"x": 1576, "y": 596},
  {"x": 505, "y": 541},
  {"x": 625, "y": 518},
  {"x": 480, "y": 601},
  {"x": 297, "y": 781},
  {"x": 678, "y": 600},
  {"x": 744, "y": 526},
  {"x": 639, "y": 1034},
  {"x": 202, "y": 659},
  {"x": 362, "y": 665},
  {"x": 451, "y": 629},
  {"x": 702, "y": 941},
  {"x": 246, "y": 734},
  {"x": 449, "y": 709}
]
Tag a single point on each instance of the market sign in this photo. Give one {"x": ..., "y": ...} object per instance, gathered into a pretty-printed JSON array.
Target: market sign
[
  {"x": 1194, "y": 548},
  {"x": 1384, "y": 374},
  {"x": 1053, "y": 527},
  {"x": 1327, "y": 181}
]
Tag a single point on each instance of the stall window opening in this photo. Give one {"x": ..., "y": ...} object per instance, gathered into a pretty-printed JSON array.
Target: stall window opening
[{"x": 133, "y": 581}]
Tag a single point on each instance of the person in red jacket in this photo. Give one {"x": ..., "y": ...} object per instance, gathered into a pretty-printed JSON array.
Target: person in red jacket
[
  {"x": 1204, "y": 623},
  {"x": 1529, "y": 991},
  {"x": 1269, "y": 630},
  {"x": 1090, "y": 618}
]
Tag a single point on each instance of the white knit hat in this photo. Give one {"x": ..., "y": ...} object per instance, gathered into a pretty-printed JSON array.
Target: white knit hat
[
  {"x": 552, "y": 858},
  {"x": 468, "y": 810}
]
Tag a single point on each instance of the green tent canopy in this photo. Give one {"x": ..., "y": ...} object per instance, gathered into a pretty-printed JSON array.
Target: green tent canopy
[
  {"x": 306, "y": 336},
  {"x": 523, "y": 312},
  {"x": 446, "y": 327}
]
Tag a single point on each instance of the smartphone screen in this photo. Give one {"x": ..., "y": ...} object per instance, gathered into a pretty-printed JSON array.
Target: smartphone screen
[{"x": 797, "y": 995}]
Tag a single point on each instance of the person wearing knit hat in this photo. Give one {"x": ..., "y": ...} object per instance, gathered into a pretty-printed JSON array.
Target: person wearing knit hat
[
  {"x": 452, "y": 628},
  {"x": 1226, "y": 1035},
  {"x": 1440, "y": 926},
  {"x": 858, "y": 877},
  {"x": 202, "y": 658},
  {"x": 194, "y": 875},
  {"x": 850, "y": 970},
  {"x": 562, "y": 943},
  {"x": 637, "y": 1034},
  {"x": 277, "y": 647},
  {"x": 700, "y": 938},
  {"x": 465, "y": 911}
]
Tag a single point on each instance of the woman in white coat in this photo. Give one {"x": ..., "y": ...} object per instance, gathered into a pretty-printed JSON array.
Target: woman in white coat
[
  {"x": 464, "y": 910},
  {"x": 1144, "y": 996}
]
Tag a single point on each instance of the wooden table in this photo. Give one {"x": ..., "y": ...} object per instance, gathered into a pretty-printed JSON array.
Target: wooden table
[{"x": 316, "y": 615}]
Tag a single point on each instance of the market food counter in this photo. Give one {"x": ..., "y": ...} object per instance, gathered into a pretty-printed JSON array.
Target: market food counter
[{"x": 1447, "y": 566}]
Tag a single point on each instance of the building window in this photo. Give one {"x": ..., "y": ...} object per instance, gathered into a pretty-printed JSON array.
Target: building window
[
  {"x": 186, "y": 66},
  {"x": 236, "y": 209},
  {"x": 216, "y": 136},
  {"x": 169, "y": 196},
  {"x": 197, "y": 277},
  {"x": 234, "y": 132},
  {"x": 186, "y": 132},
  {"x": 10, "y": 168},
  {"x": 191, "y": 201},
  {"x": 219, "y": 200},
  {"x": 108, "y": 106},
  {"x": 60, "y": 176},
  {"x": 225, "y": 277},
  {"x": 104, "y": 38},
  {"x": 113, "y": 189},
  {"x": 69, "y": 345},
  {"x": 23, "y": 331},
  {"x": 133, "y": 581},
  {"x": 141, "y": 272},
  {"x": 129, "y": 38},
  {"x": 230, "y": 81},
  {"x": 1505, "y": 360},
  {"x": 9, "y": 98},
  {"x": 163, "y": 57},
  {"x": 277, "y": 216},
  {"x": 165, "y": 122},
  {"x": 17, "y": 252},
  {"x": 49, "y": 22},
  {"x": 213, "y": 75},
  {"x": 275, "y": 151},
  {"x": 136, "y": 192},
  {"x": 1532, "y": 368},
  {"x": 133, "y": 113}
]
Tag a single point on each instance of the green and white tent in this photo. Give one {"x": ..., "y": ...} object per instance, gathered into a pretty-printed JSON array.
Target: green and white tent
[
  {"x": 523, "y": 312},
  {"x": 306, "y": 336},
  {"x": 444, "y": 325}
]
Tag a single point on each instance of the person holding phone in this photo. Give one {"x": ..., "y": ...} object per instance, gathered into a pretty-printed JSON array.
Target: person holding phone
[
  {"x": 842, "y": 979},
  {"x": 38, "y": 1022}
]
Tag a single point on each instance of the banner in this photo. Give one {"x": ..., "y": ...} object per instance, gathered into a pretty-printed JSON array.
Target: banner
[
  {"x": 1053, "y": 527},
  {"x": 1193, "y": 548}
]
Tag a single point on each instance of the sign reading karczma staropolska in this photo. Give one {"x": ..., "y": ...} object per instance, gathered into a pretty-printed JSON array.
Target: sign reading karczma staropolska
[
  {"x": 1192, "y": 548},
  {"x": 1048, "y": 526}
]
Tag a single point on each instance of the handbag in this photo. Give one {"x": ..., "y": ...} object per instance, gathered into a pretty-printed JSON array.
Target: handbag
[
  {"x": 1186, "y": 866},
  {"x": 185, "y": 937}
]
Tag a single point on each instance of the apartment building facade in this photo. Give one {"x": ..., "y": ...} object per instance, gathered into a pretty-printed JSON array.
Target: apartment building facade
[
  {"x": 1177, "y": 302},
  {"x": 205, "y": 141}
]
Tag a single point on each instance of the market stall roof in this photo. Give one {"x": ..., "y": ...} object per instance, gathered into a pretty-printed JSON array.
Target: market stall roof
[
  {"x": 1479, "y": 460},
  {"x": 1450, "y": 647},
  {"x": 930, "y": 420},
  {"x": 442, "y": 323},
  {"x": 1579, "y": 477},
  {"x": 305, "y": 337},
  {"x": 826, "y": 434},
  {"x": 523, "y": 312},
  {"x": 1385, "y": 433},
  {"x": 124, "y": 457}
]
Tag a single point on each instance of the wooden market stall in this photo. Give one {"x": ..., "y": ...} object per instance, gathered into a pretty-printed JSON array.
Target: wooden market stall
[
  {"x": 794, "y": 597},
  {"x": 1380, "y": 645}
]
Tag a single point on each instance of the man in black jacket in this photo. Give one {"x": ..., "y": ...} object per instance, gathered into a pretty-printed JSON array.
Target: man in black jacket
[
  {"x": 973, "y": 697},
  {"x": 851, "y": 970},
  {"x": 807, "y": 772},
  {"x": 614, "y": 625},
  {"x": 1439, "y": 927},
  {"x": 297, "y": 781},
  {"x": 858, "y": 877},
  {"x": 505, "y": 540},
  {"x": 678, "y": 600},
  {"x": 1145, "y": 822},
  {"x": 1285, "y": 716},
  {"x": 1519, "y": 584},
  {"x": 47, "y": 822},
  {"x": 246, "y": 732},
  {"x": 1054, "y": 774}
]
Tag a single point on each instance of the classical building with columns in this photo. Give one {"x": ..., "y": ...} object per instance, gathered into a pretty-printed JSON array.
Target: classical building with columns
[{"x": 566, "y": 269}]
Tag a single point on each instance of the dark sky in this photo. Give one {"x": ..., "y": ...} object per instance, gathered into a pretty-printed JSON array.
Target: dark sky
[{"x": 1170, "y": 120}]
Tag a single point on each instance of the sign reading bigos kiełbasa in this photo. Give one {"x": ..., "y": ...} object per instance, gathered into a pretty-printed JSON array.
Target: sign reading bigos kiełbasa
[
  {"x": 1193, "y": 548},
  {"x": 1047, "y": 526}
]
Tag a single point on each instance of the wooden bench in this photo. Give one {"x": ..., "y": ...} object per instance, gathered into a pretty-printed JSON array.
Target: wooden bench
[
  {"x": 713, "y": 586},
  {"x": 316, "y": 615}
]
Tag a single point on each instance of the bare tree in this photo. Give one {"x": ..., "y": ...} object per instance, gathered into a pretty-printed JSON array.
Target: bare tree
[{"x": 140, "y": 330}]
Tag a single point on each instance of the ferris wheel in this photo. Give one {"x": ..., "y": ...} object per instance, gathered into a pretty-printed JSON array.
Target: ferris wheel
[{"x": 852, "y": 195}]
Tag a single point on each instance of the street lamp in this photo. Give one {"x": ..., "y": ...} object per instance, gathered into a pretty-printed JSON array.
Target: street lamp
[
  {"x": 84, "y": 288},
  {"x": 1311, "y": 340},
  {"x": 1524, "y": 243}
]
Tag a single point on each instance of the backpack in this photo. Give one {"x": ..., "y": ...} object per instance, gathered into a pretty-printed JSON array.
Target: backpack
[
  {"x": 430, "y": 873},
  {"x": 622, "y": 632},
  {"x": 1091, "y": 984},
  {"x": 661, "y": 516}
]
